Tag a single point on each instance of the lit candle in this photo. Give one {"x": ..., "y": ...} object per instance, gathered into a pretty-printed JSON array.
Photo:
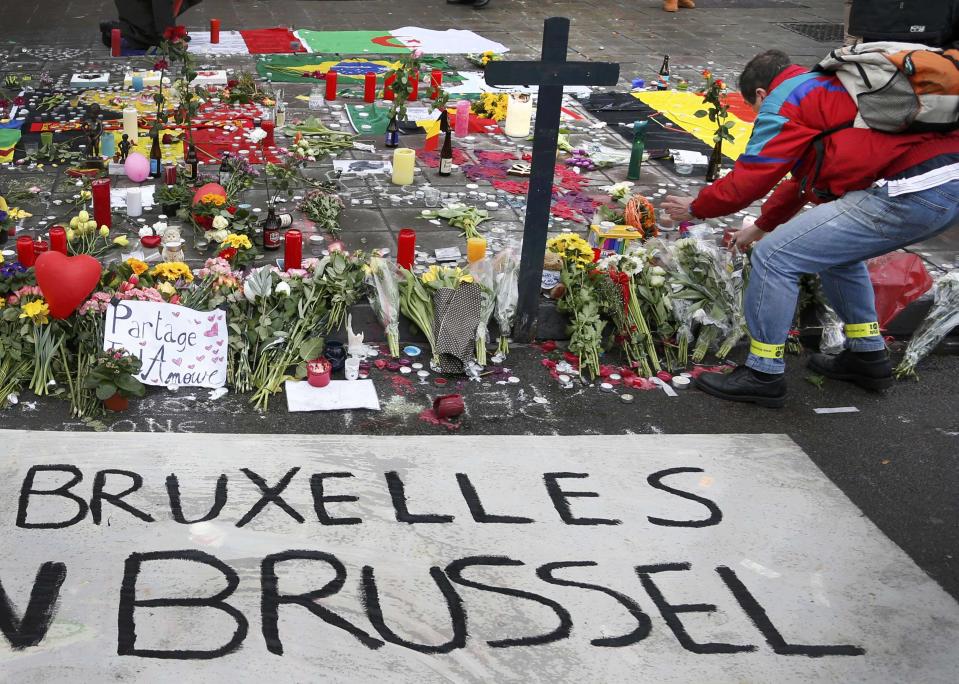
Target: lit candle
[
  {"x": 25, "y": 253},
  {"x": 58, "y": 239},
  {"x": 331, "y": 78},
  {"x": 116, "y": 41},
  {"x": 475, "y": 249},
  {"x": 100, "y": 188},
  {"x": 519, "y": 113},
  {"x": 293, "y": 252},
  {"x": 214, "y": 31},
  {"x": 406, "y": 248},
  {"x": 134, "y": 202},
  {"x": 436, "y": 80},
  {"x": 462, "y": 118},
  {"x": 130, "y": 126},
  {"x": 404, "y": 160},
  {"x": 369, "y": 87}
]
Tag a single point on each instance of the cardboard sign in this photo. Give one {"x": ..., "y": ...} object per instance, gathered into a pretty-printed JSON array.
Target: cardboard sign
[
  {"x": 178, "y": 346},
  {"x": 301, "y": 558}
]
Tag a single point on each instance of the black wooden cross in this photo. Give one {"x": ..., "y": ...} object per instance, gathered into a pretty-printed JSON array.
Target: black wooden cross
[{"x": 550, "y": 74}]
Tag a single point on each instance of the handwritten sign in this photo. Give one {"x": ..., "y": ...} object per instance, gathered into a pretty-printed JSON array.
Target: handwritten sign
[
  {"x": 240, "y": 558},
  {"x": 177, "y": 345}
]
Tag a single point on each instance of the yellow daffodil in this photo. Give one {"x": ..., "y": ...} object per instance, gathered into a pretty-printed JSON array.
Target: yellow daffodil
[
  {"x": 37, "y": 311},
  {"x": 121, "y": 240},
  {"x": 19, "y": 214},
  {"x": 238, "y": 241},
  {"x": 138, "y": 266}
]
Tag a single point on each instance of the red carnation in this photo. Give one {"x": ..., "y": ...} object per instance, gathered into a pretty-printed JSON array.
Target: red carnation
[
  {"x": 161, "y": 65},
  {"x": 229, "y": 253},
  {"x": 232, "y": 83},
  {"x": 232, "y": 210}
]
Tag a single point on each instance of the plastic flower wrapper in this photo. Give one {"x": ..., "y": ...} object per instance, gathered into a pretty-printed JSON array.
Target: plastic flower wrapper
[
  {"x": 833, "y": 338},
  {"x": 506, "y": 272},
  {"x": 941, "y": 319},
  {"x": 705, "y": 293},
  {"x": 467, "y": 219},
  {"x": 485, "y": 277},
  {"x": 384, "y": 296},
  {"x": 416, "y": 304}
]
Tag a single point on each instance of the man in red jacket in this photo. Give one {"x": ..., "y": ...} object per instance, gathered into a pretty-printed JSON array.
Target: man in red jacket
[{"x": 875, "y": 193}]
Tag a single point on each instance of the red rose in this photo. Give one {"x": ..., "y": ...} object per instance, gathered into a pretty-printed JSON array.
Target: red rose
[
  {"x": 232, "y": 210},
  {"x": 161, "y": 65},
  {"x": 19, "y": 101},
  {"x": 175, "y": 33},
  {"x": 167, "y": 139},
  {"x": 229, "y": 253},
  {"x": 232, "y": 83},
  {"x": 205, "y": 222},
  {"x": 4, "y": 104},
  {"x": 175, "y": 299}
]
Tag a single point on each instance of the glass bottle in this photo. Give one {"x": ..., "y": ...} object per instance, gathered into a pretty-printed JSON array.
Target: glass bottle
[
  {"x": 271, "y": 230},
  {"x": 393, "y": 133}
]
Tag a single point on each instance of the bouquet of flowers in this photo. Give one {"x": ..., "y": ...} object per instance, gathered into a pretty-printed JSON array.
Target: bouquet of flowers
[
  {"x": 581, "y": 301},
  {"x": 457, "y": 302},
  {"x": 323, "y": 207},
  {"x": 485, "y": 277},
  {"x": 939, "y": 322},
  {"x": 506, "y": 271},
  {"x": 114, "y": 373},
  {"x": 83, "y": 237},
  {"x": 623, "y": 305},
  {"x": 417, "y": 305},
  {"x": 384, "y": 296},
  {"x": 461, "y": 216},
  {"x": 483, "y": 58},
  {"x": 491, "y": 106},
  {"x": 341, "y": 278}
]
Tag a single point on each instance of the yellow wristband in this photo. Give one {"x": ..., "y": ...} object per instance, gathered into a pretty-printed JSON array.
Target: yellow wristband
[
  {"x": 766, "y": 351},
  {"x": 857, "y": 330}
]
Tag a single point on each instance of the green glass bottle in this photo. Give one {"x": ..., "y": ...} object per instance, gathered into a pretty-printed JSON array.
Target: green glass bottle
[{"x": 639, "y": 147}]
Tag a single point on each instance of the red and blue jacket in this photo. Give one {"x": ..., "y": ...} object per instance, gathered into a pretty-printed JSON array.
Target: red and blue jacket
[{"x": 801, "y": 105}]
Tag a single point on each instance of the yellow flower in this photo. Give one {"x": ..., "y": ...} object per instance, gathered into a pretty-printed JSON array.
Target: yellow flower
[
  {"x": 83, "y": 216},
  {"x": 572, "y": 248},
  {"x": 166, "y": 289},
  {"x": 173, "y": 270},
  {"x": 104, "y": 231},
  {"x": 121, "y": 240},
  {"x": 85, "y": 194},
  {"x": 19, "y": 214},
  {"x": 432, "y": 274},
  {"x": 238, "y": 241},
  {"x": 71, "y": 236},
  {"x": 137, "y": 266},
  {"x": 214, "y": 199},
  {"x": 37, "y": 311}
]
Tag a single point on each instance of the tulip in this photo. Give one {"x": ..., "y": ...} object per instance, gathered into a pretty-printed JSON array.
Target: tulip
[
  {"x": 83, "y": 216},
  {"x": 104, "y": 231},
  {"x": 120, "y": 240}
]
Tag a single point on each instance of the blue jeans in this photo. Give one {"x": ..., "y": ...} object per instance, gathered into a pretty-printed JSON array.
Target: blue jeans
[{"x": 834, "y": 240}]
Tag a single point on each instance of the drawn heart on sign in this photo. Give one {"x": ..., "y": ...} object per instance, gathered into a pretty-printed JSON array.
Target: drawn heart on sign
[
  {"x": 191, "y": 366},
  {"x": 208, "y": 347},
  {"x": 143, "y": 344},
  {"x": 211, "y": 318},
  {"x": 178, "y": 361},
  {"x": 176, "y": 314},
  {"x": 219, "y": 343},
  {"x": 66, "y": 282},
  {"x": 214, "y": 331},
  {"x": 200, "y": 358},
  {"x": 196, "y": 322}
]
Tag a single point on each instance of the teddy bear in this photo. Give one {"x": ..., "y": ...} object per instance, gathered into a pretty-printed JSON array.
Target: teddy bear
[{"x": 172, "y": 244}]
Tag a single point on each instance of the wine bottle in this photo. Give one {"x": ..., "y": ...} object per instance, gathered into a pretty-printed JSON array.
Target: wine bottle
[
  {"x": 639, "y": 147},
  {"x": 192, "y": 164},
  {"x": 664, "y": 74},
  {"x": 393, "y": 133},
  {"x": 271, "y": 231},
  {"x": 156, "y": 157},
  {"x": 446, "y": 156}
]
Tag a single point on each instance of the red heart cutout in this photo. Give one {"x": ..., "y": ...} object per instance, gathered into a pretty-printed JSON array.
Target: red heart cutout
[
  {"x": 66, "y": 282},
  {"x": 150, "y": 241}
]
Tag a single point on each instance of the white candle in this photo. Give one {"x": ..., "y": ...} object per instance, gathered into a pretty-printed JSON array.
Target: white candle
[
  {"x": 519, "y": 113},
  {"x": 134, "y": 202},
  {"x": 404, "y": 161},
  {"x": 130, "y": 124}
]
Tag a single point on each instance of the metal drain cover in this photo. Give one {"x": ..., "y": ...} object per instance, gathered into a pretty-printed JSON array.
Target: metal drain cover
[{"x": 823, "y": 33}]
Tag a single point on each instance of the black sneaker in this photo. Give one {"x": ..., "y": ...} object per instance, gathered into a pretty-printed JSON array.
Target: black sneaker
[
  {"x": 743, "y": 385},
  {"x": 873, "y": 374}
]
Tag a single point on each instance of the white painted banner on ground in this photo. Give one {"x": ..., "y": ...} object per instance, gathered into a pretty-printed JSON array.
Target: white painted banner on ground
[
  {"x": 250, "y": 558},
  {"x": 177, "y": 345}
]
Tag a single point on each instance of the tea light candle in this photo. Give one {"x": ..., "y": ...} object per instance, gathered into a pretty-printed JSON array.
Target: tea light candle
[
  {"x": 293, "y": 252},
  {"x": 134, "y": 202},
  {"x": 130, "y": 126},
  {"x": 25, "y": 254},
  {"x": 519, "y": 114},
  {"x": 406, "y": 248},
  {"x": 475, "y": 249},
  {"x": 214, "y": 31},
  {"x": 404, "y": 161}
]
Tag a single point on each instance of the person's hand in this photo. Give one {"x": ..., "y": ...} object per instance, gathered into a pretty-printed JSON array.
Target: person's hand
[
  {"x": 747, "y": 235},
  {"x": 678, "y": 207}
]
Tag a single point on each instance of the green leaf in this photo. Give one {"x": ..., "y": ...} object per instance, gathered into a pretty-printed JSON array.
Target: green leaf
[
  {"x": 105, "y": 391},
  {"x": 311, "y": 349},
  {"x": 700, "y": 114}
]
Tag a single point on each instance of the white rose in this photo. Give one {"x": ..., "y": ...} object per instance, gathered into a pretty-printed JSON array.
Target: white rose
[
  {"x": 283, "y": 289},
  {"x": 219, "y": 235},
  {"x": 220, "y": 223},
  {"x": 657, "y": 281},
  {"x": 658, "y": 271},
  {"x": 256, "y": 135}
]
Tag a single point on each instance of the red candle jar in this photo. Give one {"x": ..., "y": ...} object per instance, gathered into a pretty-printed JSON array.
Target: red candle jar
[
  {"x": 269, "y": 127},
  {"x": 448, "y": 406},
  {"x": 169, "y": 174},
  {"x": 58, "y": 239},
  {"x": 331, "y": 79},
  {"x": 388, "y": 87},
  {"x": 406, "y": 248},
  {"x": 318, "y": 372},
  {"x": 101, "y": 202},
  {"x": 116, "y": 41},
  {"x": 369, "y": 87},
  {"x": 25, "y": 254},
  {"x": 415, "y": 87},
  {"x": 39, "y": 247},
  {"x": 214, "y": 31},
  {"x": 436, "y": 80},
  {"x": 293, "y": 254}
]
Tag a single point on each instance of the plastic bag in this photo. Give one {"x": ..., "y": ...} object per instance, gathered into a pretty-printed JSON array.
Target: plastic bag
[
  {"x": 506, "y": 272},
  {"x": 483, "y": 275},
  {"x": 833, "y": 339},
  {"x": 384, "y": 296},
  {"x": 898, "y": 280},
  {"x": 943, "y": 317}
]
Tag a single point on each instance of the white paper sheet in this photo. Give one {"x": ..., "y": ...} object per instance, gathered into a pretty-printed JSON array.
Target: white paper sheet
[{"x": 337, "y": 396}]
